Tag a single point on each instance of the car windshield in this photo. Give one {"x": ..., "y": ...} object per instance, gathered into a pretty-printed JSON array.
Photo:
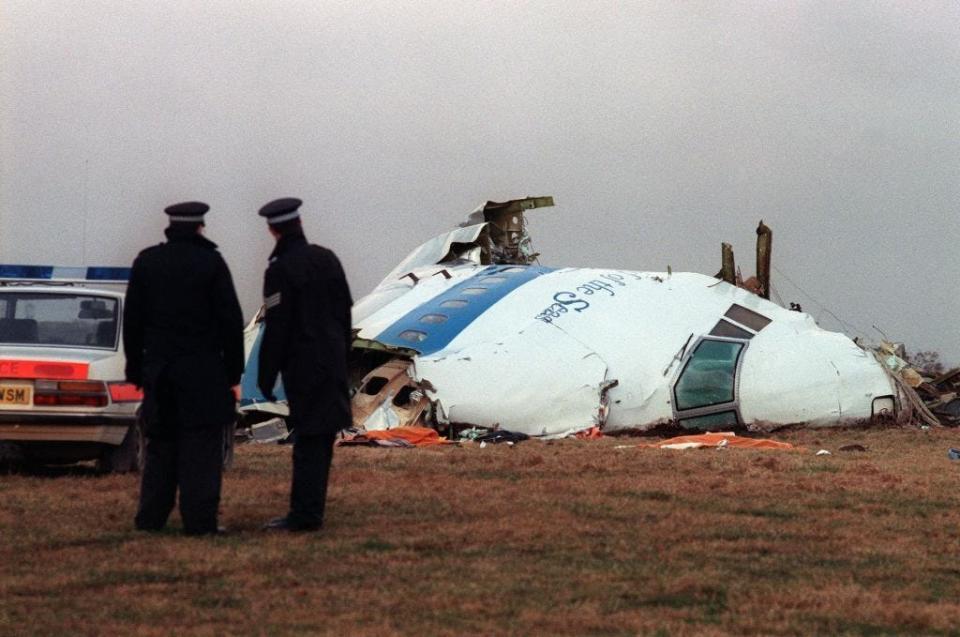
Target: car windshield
[{"x": 73, "y": 320}]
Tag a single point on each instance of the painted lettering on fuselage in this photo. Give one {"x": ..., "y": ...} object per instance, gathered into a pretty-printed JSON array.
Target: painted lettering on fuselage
[{"x": 605, "y": 285}]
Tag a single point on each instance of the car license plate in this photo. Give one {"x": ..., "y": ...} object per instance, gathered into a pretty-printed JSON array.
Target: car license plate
[{"x": 15, "y": 395}]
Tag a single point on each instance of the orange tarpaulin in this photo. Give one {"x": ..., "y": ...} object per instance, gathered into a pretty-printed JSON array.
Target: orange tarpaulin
[
  {"x": 415, "y": 436},
  {"x": 589, "y": 434},
  {"x": 722, "y": 439}
]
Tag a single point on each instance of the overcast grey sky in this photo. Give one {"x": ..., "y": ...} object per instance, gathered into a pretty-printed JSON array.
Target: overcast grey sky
[{"x": 662, "y": 129}]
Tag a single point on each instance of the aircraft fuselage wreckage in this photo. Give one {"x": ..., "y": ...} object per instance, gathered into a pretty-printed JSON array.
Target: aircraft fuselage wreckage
[{"x": 469, "y": 330}]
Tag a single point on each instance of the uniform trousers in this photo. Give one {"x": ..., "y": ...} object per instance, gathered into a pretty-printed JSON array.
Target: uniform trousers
[
  {"x": 312, "y": 455},
  {"x": 191, "y": 460}
]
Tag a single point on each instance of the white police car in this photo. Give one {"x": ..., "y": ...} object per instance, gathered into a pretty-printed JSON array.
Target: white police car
[{"x": 63, "y": 397}]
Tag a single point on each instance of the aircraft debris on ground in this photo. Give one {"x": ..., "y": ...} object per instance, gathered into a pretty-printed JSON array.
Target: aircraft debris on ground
[
  {"x": 936, "y": 399},
  {"x": 470, "y": 330}
]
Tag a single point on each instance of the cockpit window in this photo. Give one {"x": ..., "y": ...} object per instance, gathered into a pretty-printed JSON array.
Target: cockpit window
[
  {"x": 747, "y": 318},
  {"x": 74, "y": 320},
  {"x": 728, "y": 329},
  {"x": 709, "y": 376}
]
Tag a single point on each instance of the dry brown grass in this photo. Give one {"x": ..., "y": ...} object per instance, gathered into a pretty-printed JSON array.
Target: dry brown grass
[{"x": 543, "y": 538}]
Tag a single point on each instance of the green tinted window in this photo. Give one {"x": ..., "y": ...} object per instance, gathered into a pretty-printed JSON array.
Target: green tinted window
[{"x": 708, "y": 378}]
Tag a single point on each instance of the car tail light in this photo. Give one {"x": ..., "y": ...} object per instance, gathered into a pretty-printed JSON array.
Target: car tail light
[
  {"x": 52, "y": 393},
  {"x": 125, "y": 393}
]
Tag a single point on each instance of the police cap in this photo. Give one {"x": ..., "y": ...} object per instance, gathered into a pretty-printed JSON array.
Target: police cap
[
  {"x": 280, "y": 210},
  {"x": 187, "y": 212}
]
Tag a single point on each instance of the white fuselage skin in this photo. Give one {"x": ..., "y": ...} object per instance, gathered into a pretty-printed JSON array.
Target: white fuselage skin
[{"x": 574, "y": 348}]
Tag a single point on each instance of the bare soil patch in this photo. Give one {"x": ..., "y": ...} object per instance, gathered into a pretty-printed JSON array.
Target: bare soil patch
[{"x": 568, "y": 537}]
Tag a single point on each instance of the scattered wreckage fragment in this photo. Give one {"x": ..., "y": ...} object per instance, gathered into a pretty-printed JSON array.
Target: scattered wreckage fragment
[
  {"x": 942, "y": 396},
  {"x": 468, "y": 330},
  {"x": 935, "y": 400},
  {"x": 388, "y": 398}
]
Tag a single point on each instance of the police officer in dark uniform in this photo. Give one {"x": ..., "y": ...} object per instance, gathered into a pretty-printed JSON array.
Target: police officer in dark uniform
[
  {"x": 306, "y": 339},
  {"x": 183, "y": 336}
]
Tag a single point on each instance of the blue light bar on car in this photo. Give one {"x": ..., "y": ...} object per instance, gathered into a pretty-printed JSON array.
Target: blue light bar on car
[
  {"x": 60, "y": 273},
  {"x": 25, "y": 272},
  {"x": 107, "y": 273}
]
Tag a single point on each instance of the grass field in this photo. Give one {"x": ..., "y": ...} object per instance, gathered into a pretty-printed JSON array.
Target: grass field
[{"x": 568, "y": 537}]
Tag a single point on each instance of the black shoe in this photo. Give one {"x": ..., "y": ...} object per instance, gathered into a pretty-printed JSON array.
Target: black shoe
[{"x": 286, "y": 524}]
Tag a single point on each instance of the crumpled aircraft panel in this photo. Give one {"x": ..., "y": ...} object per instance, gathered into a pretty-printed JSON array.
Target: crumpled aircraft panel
[
  {"x": 800, "y": 373},
  {"x": 433, "y": 251},
  {"x": 537, "y": 381}
]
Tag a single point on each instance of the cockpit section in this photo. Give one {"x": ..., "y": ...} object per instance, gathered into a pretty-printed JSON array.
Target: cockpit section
[{"x": 706, "y": 392}]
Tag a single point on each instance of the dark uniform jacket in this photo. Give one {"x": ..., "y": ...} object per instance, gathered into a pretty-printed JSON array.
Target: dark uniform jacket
[
  {"x": 307, "y": 335},
  {"x": 183, "y": 333}
]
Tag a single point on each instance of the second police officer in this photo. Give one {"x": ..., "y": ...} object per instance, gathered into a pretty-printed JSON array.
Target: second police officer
[{"x": 306, "y": 341}]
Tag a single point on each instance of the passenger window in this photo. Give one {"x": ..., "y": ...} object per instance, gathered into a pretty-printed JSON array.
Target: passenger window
[
  {"x": 374, "y": 385},
  {"x": 454, "y": 303},
  {"x": 493, "y": 279},
  {"x": 473, "y": 291},
  {"x": 433, "y": 318},
  {"x": 414, "y": 336},
  {"x": 708, "y": 378},
  {"x": 402, "y": 398}
]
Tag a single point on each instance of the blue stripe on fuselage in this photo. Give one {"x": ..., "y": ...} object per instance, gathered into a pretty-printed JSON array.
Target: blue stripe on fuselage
[
  {"x": 438, "y": 335},
  {"x": 249, "y": 391}
]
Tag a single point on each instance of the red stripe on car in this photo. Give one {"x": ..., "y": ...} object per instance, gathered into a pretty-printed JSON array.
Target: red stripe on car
[{"x": 55, "y": 370}]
